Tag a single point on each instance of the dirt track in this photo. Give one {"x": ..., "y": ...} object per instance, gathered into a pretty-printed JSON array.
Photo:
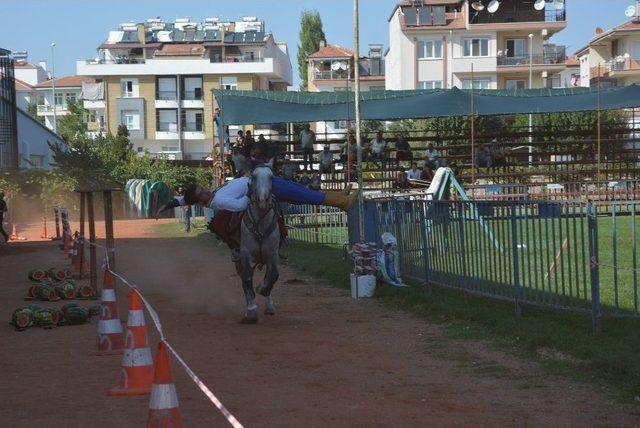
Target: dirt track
[{"x": 324, "y": 360}]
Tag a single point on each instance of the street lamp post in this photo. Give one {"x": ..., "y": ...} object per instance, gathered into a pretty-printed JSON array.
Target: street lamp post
[
  {"x": 53, "y": 86},
  {"x": 356, "y": 46},
  {"x": 530, "y": 87}
]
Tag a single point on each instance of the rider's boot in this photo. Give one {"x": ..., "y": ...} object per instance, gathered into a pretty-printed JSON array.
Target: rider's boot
[{"x": 339, "y": 200}]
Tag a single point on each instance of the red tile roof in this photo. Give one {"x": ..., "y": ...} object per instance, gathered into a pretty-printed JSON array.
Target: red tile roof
[
  {"x": 66, "y": 82},
  {"x": 573, "y": 61},
  {"x": 332, "y": 51},
  {"x": 628, "y": 26},
  {"x": 22, "y": 86},
  {"x": 24, "y": 64}
]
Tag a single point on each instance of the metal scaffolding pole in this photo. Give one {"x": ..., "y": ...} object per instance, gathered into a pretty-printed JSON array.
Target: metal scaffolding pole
[{"x": 356, "y": 47}]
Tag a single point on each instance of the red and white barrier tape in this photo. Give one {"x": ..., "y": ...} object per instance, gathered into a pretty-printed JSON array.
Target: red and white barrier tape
[{"x": 156, "y": 321}]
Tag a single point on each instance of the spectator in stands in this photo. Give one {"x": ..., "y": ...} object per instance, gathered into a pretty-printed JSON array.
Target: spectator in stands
[
  {"x": 401, "y": 181},
  {"x": 261, "y": 149},
  {"x": 483, "y": 157},
  {"x": 432, "y": 157},
  {"x": 305, "y": 179},
  {"x": 247, "y": 144},
  {"x": 325, "y": 158},
  {"x": 315, "y": 182},
  {"x": 427, "y": 173},
  {"x": 414, "y": 173},
  {"x": 403, "y": 150},
  {"x": 307, "y": 141},
  {"x": 288, "y": 169},
  {"x": 378, "y": 149},
  {"x": 239, "y": 139}
]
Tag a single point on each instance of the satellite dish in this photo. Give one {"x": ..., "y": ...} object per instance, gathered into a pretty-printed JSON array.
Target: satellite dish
[
  {"x": 599, "y": 30},
  {"x": 559, "y": 4},
  {"x": 493, "y": 7},
  {"x": 335, "y": 66},
  {"x": 478, "y": 6},
  {"x": 630, "y": 11},
  {"x": 539, "y": 4},
  {"x": 343, "y": 65}
]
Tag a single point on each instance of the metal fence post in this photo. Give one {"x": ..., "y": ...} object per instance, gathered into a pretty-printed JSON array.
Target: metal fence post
[
  {"x": 594, "y": 263},
  {"x": 463, "y": 254},
  {"x": 516, "y": 264},
  {"x": 425, "y": 241}
]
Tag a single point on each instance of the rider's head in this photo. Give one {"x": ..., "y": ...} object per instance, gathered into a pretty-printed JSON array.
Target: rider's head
[{"x": 196, "y": 195}]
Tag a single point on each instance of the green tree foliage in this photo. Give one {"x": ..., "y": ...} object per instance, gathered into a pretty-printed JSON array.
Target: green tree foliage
[
  {"x": 311, "y": 34},
  {"x": 32, "y": 109},
  {"x": 72, "y": 126}
]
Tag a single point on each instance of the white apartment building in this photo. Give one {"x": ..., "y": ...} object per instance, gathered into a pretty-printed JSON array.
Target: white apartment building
[
  {"x": 612, "y": 56},
  {"x": 443, "y": 43},
  {"x": 331, "y": 69},
  {"x": 68, "y": 88},
  {"x": 157, "y": 77},
  {"x": 27, "y": 76}
]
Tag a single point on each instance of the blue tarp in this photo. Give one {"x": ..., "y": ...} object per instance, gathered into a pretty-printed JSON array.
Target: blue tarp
[{"x": 258, "y": 107}]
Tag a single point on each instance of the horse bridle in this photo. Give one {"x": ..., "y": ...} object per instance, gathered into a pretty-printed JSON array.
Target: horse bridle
[{"x": 253, "y": 223}]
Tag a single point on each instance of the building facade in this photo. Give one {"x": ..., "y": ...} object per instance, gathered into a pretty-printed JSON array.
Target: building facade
[
  {"x": 156, "y": 79},
  {"x": 331, "y": 69},
  {"x": 612, "y": 57},
  {"x": 67, "y": 89},
  {"x": 452, "y": 43}
]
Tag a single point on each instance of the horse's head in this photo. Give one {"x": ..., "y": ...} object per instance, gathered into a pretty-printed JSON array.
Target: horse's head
[{"x": 262, "y": 184}]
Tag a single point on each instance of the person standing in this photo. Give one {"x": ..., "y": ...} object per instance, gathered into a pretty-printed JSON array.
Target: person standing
[
  {"x": 307, "y": 141},
  {"x": 3, "y": 209},
  {"x": 186, "y": 215}
]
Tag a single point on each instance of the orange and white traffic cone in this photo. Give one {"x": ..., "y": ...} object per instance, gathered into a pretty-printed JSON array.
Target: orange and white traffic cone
[
  {"x": 163, "y": 405},
  {"x": 109, "y": 328},
  {"x": 44, "y": 234},
  {"x": 136, "y": 375}
]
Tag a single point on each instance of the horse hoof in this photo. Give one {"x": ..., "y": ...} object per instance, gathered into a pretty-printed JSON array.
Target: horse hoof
[
  {"x": 269, "y": 311},
  {"x": 250, "y": 317}
]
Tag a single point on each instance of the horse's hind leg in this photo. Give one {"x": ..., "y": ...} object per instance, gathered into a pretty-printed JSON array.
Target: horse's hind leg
[
  {"x": 246, "y": 273},
  {"x": 270, "y": 278}
]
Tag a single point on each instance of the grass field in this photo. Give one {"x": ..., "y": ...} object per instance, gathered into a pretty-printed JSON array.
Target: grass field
[{"x": 562, "y": 341}]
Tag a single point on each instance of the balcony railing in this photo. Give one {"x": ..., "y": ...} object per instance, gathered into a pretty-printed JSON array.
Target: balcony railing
[
  {"x": 535, "y": 59},
  {"x": 234, "y": 58},
  {"x": 508, "y": 15},
  {"x": 167, "y": 95},
  {"x": 46, "y": 108},
  {"x": 192, "y": 127},
  {"x": 167, "y": 126},
  {"x": 329, "y": 74},
  {"x": 117, "y": 60},
  {"x": 194, "y": 95},
  {"x": 622, "y": 64}
]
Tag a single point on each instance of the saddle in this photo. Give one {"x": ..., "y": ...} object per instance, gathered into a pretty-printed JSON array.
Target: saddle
[{"x": 226, "y": 225}]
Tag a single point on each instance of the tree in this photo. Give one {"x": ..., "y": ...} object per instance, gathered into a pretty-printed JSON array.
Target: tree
[
  {"x": 72, "y": 127},
  {"x": 32, "y": 109},
  {"x": 311, "y": 35}
]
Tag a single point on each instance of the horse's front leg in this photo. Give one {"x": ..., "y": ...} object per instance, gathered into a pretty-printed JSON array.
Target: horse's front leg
[
  {"x": 251, "y": 314},
  {"x": 270, "y": 278}
]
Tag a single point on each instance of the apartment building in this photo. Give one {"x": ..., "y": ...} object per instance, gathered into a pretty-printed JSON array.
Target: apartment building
[
  {"x": 613, "y": 56},
  {"x": 67, "y": 89},
  {"x": 156, "y": 78},
  {"x": 331, "y": 69},
  {"x": 27, "y": 76},
  {"x": 482, "y": 43}
]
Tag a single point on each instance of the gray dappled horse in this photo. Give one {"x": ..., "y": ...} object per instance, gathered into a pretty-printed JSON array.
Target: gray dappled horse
[{"x": 259, "y": 242}]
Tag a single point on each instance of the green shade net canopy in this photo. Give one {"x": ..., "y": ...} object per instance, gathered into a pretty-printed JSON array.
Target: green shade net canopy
[{"x": 262, "y": 107}]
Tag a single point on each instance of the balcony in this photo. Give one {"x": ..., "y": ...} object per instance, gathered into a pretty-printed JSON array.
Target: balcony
[
  {"x": 47, "y": 108},
  {"x": 535, "y": 60},
  {"x": 167, "y": 95},
  {"x": 618, "y": 67},
  {"x": 516, "y": 11},
  {"x": 117, "y": 60},
  {"x": 234, "y": 58},
  {"x": 329, "y": 74}
]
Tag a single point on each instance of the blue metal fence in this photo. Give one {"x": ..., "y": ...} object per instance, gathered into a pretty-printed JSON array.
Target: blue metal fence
[
  {"x": 316, "y": 224},
  {"x": 554, "y": 254}
]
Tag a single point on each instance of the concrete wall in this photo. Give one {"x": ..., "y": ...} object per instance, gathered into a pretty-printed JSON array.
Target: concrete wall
[{"x": 32, "y": 142}]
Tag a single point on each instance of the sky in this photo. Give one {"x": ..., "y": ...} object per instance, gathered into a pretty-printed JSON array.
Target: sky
[{"x": 79, "y": 26}]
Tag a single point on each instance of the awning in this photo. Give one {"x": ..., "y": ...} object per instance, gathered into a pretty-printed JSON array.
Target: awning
[{"x": 263, "y": 107}]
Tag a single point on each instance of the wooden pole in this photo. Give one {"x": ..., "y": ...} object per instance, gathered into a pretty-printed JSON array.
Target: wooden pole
[
  {"x": 82, "y": 235},
  {"x": 93, "y": 272},
  {"x": 108, "y": 228}
]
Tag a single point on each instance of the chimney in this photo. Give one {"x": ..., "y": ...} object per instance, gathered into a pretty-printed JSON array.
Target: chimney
[
  {"x": 323, "y": 43},
  {"x": 43, "y": 65}
]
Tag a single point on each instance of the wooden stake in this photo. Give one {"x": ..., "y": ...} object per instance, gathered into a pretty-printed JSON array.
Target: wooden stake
[
  {"x": 108, "y": 228},
  {"x": 93, "y": 272},
  {"x": 82, "y": 219}
]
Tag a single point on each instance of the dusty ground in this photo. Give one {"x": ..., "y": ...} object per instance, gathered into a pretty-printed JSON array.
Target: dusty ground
[{"x": 324, "y": 360}]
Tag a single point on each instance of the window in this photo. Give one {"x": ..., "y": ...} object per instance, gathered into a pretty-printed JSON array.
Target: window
[
  {"x": 166, "y": 88},
  {"x": 70, "y": 97},
  {"x": 230, "y": 83},
  {"x": 59, "y": 99},
  {"x": 193, "y": 120},
  {"x": 167, "y": 120},
  {"x": 477, "y": 84},
  {"x": 192, "y": 88},
  {"x": 516, "y": 48},
  {"x": 430, "y": 84},
  {"x": 131, "y": 119},
  {"x": 129, "y": 88},
  {"x": 515, "y": 84},
  {"x": 475, "y": 47},
  {"x": 636, "y": 50},
  {"x": 430, "y": 49}
]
